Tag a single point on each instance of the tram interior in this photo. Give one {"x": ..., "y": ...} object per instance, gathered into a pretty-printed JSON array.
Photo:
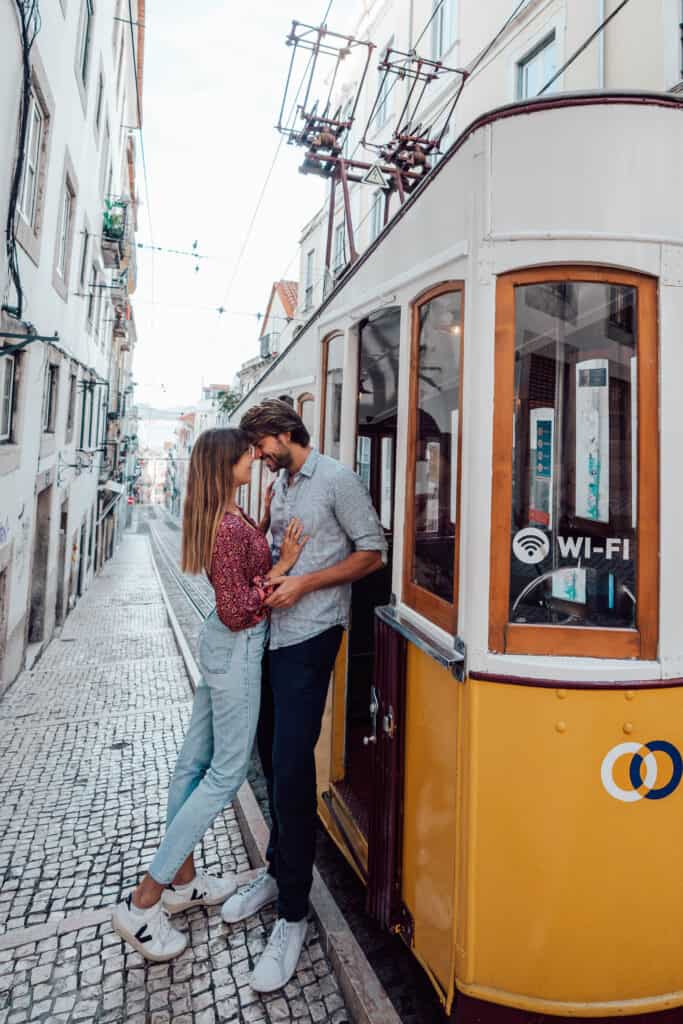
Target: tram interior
[
  {"x": 375, "y": 464},
  {"x": 574, "y": 453}
]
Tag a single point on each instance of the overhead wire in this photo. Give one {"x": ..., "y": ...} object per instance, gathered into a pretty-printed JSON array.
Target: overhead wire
[
  {"x": 584, "y": 46},
  {"x": 269, "y": 174}
]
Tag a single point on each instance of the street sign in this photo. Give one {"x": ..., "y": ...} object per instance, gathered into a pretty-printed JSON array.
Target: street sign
[{"x": 376, "y": 176}]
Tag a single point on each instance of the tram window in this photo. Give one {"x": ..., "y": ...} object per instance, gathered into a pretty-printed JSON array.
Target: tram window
[
  {"x": 430, "y": 583},
  {"x": 574, "y": 558},
  {"x": 333, "y": 368},
  {"x": 306, "y": 409}
]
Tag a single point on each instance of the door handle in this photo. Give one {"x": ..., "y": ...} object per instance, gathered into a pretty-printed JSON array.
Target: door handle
[
  {"x": 388, "y": 723},
  {"x": 374, "y": 708}
]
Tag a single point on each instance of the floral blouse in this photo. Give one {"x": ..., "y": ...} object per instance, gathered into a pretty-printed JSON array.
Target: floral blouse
[{"x": 240, "y": 560}]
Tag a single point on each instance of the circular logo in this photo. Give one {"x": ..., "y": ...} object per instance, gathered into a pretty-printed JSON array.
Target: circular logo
[
  {"x": 643, "y": 771},
  {"x": 531, "y": 546}
]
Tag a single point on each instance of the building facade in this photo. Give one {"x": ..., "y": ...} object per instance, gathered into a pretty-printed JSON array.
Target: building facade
[{"x": 70, "y": 81}]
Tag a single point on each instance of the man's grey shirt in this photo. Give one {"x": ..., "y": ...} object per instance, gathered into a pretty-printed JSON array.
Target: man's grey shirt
[{"x": 339, "y": 518}]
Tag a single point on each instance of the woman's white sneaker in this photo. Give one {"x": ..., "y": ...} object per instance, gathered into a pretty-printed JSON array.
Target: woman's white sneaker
[
  {"x": 250, "y": 898},
  {"x": 203, "y": 891},
  {"x": 148, "y": 931},
  {"x": 280, "y": 957}
]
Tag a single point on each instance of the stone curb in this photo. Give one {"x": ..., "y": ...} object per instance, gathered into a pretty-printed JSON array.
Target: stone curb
[
  {"x": 74, "y": 922},
  {"x": 363, "y": 992}
]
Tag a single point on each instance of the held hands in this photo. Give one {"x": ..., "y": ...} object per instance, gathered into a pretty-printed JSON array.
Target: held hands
[{"x": 287, "y": 591}]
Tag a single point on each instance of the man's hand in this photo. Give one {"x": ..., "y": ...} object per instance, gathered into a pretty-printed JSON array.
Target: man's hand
[{"x": 287, "y": 591}]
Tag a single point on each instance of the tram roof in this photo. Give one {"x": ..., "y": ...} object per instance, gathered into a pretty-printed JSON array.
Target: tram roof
[{"x": 516, "y": 109}]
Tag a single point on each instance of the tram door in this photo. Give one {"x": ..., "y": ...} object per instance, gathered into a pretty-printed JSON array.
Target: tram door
[{"x": 375, "y": 464}]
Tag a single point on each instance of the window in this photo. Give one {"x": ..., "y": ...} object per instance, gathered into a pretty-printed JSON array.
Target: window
[
  {"x": 50, "y": 398},
  {"x": 71, "y": 412},
  {"x": 105, "y": 156},
  {"x": 385, "y": 87},
  {"x": 94, "y": 297},
  {"x": 573, "y": 571},
  {"x": 98, "y": 102},
  {"x": 432, "y": 495},
  {"x": 7, "y": 373},
  {"x": 332, "y": 372},
  {"x": 376, "y": 214},
  {"x": 120, "y": 67},
  {"x": 339, "y": 258},
  {"x": 443, "y": 27},
  {"x": 86, "y": 33},
  {"x": 308, "y": 280},
  {"x": 537, "y": 68},
  {"x": 306, "y": 409},
  {"x": 378, "y": 369},
  {"x": 28, "y": 202},
  {"x": 84, "y": 257},
  {"x": 65, "y": 230}
]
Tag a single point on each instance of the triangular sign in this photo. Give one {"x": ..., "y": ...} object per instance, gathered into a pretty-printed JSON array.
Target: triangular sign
[{"x": 375, "y": 176}]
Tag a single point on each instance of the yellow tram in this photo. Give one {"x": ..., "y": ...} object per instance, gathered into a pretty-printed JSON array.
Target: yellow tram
[{"x": 502, "y": 749}]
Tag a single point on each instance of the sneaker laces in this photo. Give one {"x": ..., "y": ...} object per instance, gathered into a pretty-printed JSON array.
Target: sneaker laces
[
  {"x": 254, "y": 884},
  {"x": 278, "y": 940},
  {"x": 162, "y": 924}
]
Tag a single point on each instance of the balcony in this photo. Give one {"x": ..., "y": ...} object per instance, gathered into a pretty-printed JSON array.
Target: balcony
[
  {"x": 114, "y": 232},
  {"x": 121, "y": 327}
]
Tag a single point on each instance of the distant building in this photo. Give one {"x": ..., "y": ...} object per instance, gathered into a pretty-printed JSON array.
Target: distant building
[{"x": 277, "y": 331}]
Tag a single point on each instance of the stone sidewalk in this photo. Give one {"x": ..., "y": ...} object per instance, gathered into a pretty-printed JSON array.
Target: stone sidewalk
[{"x": 88, "y": 741}]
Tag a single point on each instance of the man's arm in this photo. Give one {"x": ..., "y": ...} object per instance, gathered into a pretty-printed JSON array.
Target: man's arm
[{"x": 291, "y": 589}]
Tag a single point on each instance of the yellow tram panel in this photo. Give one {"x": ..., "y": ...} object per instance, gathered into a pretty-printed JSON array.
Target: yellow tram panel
[
  {"x": 430, "y": 811},
  {"x": 575, "y": 899}
]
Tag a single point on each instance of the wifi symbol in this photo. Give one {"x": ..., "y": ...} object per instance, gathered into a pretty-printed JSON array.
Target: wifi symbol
[{"x": 531, "y": 546}]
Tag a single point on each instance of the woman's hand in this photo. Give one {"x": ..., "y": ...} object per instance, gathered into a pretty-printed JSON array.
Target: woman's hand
[
  {"x": 292, "y": 545},
  {"x": 264, "y": 525}
]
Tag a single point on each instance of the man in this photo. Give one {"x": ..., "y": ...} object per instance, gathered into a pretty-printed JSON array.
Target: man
[{"x": 309, "y": 611}]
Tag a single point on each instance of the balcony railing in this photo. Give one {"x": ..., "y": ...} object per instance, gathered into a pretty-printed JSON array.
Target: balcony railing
[{"x": 114, "y": 232}]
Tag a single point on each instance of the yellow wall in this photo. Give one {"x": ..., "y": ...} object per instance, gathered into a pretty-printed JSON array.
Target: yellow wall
[
  {"x": 576, "y": 899},
  {"x": 429, "y": 826}
]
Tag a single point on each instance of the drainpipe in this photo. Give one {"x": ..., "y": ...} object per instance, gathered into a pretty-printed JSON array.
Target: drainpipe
[{"x": 601, "y": 45}]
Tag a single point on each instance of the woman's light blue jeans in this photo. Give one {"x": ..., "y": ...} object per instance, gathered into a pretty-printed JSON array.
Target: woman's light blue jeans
[{"x": 214, "y": 758}]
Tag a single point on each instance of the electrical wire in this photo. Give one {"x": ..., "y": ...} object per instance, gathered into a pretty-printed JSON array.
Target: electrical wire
[
  {"x": 30, "y": 24},
  {"x": 269, "y": 174},
  {"x": 584, "y": 46}
]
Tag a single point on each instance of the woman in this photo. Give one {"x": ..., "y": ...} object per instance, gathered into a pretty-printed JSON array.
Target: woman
[{"x": 219, "y": 538}]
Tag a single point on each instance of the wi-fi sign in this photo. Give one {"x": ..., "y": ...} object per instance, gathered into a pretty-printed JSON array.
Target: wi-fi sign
[{"x": 531, "y": 546}]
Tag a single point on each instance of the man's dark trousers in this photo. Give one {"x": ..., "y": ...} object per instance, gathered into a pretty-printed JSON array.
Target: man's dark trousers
[{"x": 295, "y": 682}]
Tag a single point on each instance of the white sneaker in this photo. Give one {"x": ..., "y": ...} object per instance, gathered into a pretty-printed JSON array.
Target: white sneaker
[
  {"x": 203, "y": 891},
  {"x": 250, "y": 898},
  {"x": 148, "y": 931},
  {"x": 280, "y": 957}
]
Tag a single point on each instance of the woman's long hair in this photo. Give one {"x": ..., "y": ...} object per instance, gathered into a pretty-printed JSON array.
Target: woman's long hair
[{"x": 209, "y": 486}]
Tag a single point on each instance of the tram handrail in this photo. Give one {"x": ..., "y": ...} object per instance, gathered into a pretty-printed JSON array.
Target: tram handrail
[{"x": 452, "y": 659}]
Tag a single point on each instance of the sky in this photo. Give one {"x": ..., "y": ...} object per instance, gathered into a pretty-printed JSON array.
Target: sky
[{"x": 214, "y": 75}]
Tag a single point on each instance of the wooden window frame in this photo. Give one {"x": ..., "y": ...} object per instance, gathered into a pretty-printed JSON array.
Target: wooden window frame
[
  {"x": 323, "y": 383},
  {"x": 442, "y": 613},
  {"x": 576, "y": 641}
]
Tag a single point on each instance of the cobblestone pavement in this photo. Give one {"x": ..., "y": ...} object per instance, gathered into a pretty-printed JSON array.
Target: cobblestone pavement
[{"x": 88, "y": 740}]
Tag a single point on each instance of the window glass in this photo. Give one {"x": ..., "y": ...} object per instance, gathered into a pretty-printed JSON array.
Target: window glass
[
  {"x": 443, "y": 26},
  {"x": 436, "y": 445},
  {"x": 308, "y": 415},
  {"x": 339, "y": 247},
  {"x": 333, "y": 396},
  {"x": 64, "y": 231},
  {"x": 29, "y": 189},
  {"x": 377, "y": 403},
  {"x": 537, "y": 69},
  {"x": 574, "y": 544},
  {"x": 6, "y": 396}
]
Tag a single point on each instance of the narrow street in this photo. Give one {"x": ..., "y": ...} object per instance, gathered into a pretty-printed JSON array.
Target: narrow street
[{"x": 88, "y": 740}]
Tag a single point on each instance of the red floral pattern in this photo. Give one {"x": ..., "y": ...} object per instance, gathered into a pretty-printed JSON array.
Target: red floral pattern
[{"x": 241, "y": 558}]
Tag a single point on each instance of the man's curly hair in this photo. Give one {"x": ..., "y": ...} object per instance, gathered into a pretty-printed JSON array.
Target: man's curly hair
[{"x": 273, "y": 417}]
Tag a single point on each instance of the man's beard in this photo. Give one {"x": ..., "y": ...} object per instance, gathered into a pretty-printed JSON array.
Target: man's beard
[{"x": 278, "y": 460}]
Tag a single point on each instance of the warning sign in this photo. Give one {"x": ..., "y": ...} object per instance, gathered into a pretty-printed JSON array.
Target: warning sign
[{"x": 375, "y": 176}]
